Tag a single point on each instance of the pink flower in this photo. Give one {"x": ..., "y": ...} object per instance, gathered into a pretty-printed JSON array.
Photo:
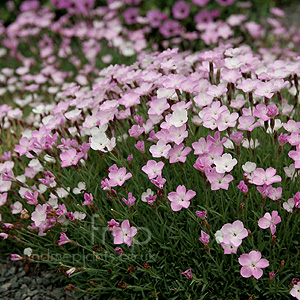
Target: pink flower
[
  {"x": 14, "y": 257},
  {"x": 124, "y": 234},
  {"x": 188, "y": 274},
  {"x": 201, "y": 214},
  {"x": 153, "y": 168},
  {"x": 88, "y": 199},
  {"x": 268, "y": 221},
  {"x": 39, "y": 216},
  {"x": 130, "y": 201},
  {"x": 70, "y": 157},
  {"x": 62, "y": 210},
  {"x": 204, "y": 238},
  {"x": 140, "y": 145},
  {"x": 159, "y": 181},
  {"x": 118, "y": 177},
  {"x": 218, "y": 180},
  {"x": 181, "y": 198},
  {"x": 260, "y": 176},
  {"x": 295, "y": 291},
  {"x": 225, "y": 2},
  {"x": 161, "y": 149},
  {"x": 3, "y": 235},
  {"x": 3, "y": 198},
  {"x": 63, "y": 239},
  {"x": 229, "y": 248},
  {"x": 112, "y": 224},
  {"x": 178, "y": 154},
  {"x": 234, "y": 233},
  {"x": 24, "y": 146},
  {"x": 32, "y": 198},
  {"x": 252, "y": 264},
  {"x": 119, "y": 250},
  {"x": 243, "y": 187},
  {"x": 181, "y": 10}
]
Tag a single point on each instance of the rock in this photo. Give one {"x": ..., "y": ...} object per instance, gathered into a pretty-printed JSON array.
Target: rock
[
  {"x": 57, "y": 293},
  {"x": 26, "y": 280},
  {"x": 11, "y": 271},
  {"x": 23, "y": 287},
  {"x": 21, "y": 274},
  {"x": 15, "y": 285},
  {"x": 5, "y": 287},
  {"x": 18, "y": 295},
  {"x": 32, "y": 293}
]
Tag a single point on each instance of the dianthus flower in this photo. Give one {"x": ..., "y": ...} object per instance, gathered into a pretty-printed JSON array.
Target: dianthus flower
[{"x": 252, "y": 264}]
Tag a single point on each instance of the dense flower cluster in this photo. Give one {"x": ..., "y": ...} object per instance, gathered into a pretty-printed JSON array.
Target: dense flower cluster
[{"x": 93, "y": 159}]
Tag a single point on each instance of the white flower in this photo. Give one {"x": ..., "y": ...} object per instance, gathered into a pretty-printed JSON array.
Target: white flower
[
  {"x": 249, "y": 167},
  {"x": 62, "y": 193},
  {"x": 289, "y": 205},
  {"x": 290, "y": 171},
  {"x": 78, "y": 215},
  {"x": 178, "y": 118},
  {"x": 225, "y": 163},
  {"x": 219, "y": 236},
  {"x": 252, "y": 145},
  {"x": 28, "y": 252},
  {"x": 99, "y": 141},
  {"x": 146, "y": 194},
  {"x": 81, "y": 187}
]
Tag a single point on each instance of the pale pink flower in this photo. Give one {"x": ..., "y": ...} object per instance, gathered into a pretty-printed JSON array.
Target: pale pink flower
[
  {"x": 124, "y": 234},
  {"x": 260, "y": 176},
  {"x": 178, "y": 118},
  {"x": 178, "y": 153},
  {"x": 177, "y": 134},
  {"x": 3, "y": 198},
  {"x": 268, "y": 221},
  {"x": 16, "y": 208},
  {"x": 70, "y": 157},
  {"x": 247, "y": 123},
  {"x": 181, "y": 198},
  {"x": 295, "y": 291},
  {"x": 295, "y": 155},
  {"x": 252, "y": 264},
  {"x": 3, "y": 235},
  {"x": 161, "y": 149},
  {"x": 234, "y": 233},
  {"x": 218, "y": 180},
  {"x": 226, "y": 119},
  {"x": 153, "y": 168},
  {"x": 289, "y": 205},
  {"x": 201, "y": 147},
  {"x": 118, "y": 177},
  {"x": 217, "y": 90},
  {"x": 39, "y": 216},
  {"x": 229, "y": 248}
]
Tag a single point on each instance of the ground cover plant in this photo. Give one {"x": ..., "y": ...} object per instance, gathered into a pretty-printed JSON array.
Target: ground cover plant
[{"x": 173, "y": 177}]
